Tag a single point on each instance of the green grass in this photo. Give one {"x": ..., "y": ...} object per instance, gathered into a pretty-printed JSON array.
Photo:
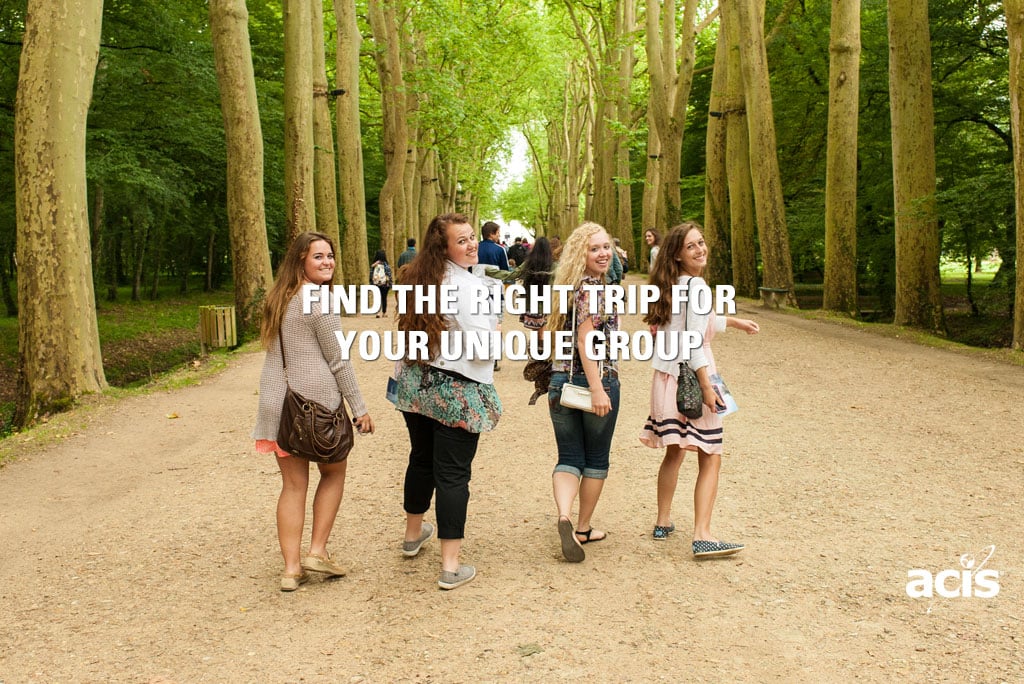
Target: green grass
[
  {"x": 139, "y": 340},
  {"x": 126, "y": 320}
]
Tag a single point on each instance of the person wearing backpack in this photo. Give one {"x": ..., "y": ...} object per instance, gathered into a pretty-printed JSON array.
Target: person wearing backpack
[{"x": 380, "y": 275}]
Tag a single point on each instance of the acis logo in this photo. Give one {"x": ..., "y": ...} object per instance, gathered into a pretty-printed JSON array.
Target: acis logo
[{"x": 971, "y": 580}]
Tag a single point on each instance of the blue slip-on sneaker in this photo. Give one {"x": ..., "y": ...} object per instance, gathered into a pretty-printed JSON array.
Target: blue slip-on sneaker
[
  {"x": 661, "y": 533},
  {"x": 714, "y": 549}
]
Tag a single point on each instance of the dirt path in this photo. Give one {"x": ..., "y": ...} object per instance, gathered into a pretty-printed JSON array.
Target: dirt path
[{"x": 143, "y": 549}]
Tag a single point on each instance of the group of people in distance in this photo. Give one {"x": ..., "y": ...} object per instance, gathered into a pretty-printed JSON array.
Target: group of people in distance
[{"x": 446, "y": 404}]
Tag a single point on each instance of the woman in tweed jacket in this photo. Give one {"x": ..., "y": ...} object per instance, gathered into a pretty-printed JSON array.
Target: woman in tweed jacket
[{"x": 318, "y": 373}]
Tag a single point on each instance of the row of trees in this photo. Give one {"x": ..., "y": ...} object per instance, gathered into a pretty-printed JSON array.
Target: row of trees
[{"x": 841, "y": 158}]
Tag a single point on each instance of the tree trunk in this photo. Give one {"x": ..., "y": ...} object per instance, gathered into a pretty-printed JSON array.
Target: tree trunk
[
  {"x": 154, "y": 289},
  {"x": 716, "y": 203},
  {"x": 918, "y": 295},
  {"x": 112, "y": 257},
  {"x": 211, "y": 241},
  {"x": 58, "y": 340},
  {"x": 768, "y": 202},
  {"x": 741, "y": 191},
  {"x": 96, "y": 235},
  {"x": 622, "y": 227},
  {"x": 186, "y": 256},
  {"x": 671, "y": 79},
  {"x": 840, "y": 291},
  {"x": 325, "y": 186},
  {"x": 350, "y": 145},
  {"x": 300, "y": 202},
  {"x": 387, "y": 55},
  {"x": 6, "y": 273},
  {"x": 410, "y": 178},
  {"x": 652, "y": 193},
  {"x": 1015, "y": 31},
  {"x": 247, "y": 224},
  {"x": 428, "y": 193},
  {"x": 140, "y": 244}
]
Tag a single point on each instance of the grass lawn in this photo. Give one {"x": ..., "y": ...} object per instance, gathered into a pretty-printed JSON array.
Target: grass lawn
[{"x": 138, "y": 340}]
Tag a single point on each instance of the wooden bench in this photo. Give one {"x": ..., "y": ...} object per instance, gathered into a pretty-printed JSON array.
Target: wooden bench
[{"x": 773, "y": 297}]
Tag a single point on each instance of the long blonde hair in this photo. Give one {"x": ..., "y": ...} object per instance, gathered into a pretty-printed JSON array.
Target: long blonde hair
[
  {"x": 290, "y": 275},
  {"x": 572, "y": 267}
]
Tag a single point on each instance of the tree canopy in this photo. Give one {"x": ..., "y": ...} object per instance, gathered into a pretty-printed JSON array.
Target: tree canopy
[{"x": 575, "y": 81}]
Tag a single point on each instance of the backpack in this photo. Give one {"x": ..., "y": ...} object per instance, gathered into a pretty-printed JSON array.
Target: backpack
[{"x": 380, "y": 275}]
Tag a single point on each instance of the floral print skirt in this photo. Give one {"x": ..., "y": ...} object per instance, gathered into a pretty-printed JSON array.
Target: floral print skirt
[{"x": 449, "y": 399}]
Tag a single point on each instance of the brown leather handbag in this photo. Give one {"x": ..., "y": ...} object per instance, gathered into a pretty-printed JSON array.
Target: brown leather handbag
[{"x": 310, "y": 430}]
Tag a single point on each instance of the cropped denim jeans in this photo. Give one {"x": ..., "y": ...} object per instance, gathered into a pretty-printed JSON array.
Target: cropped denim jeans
[{"x": 584, "y": 439}]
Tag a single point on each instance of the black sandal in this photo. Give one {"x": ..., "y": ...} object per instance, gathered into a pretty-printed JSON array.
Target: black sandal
[{"x": 586, "y": 536}]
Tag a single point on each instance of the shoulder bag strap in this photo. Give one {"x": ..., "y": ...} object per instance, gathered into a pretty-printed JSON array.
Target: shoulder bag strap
[
  {"x": 572, "y": 356},
  {"x": 280, "y": 338},
  {"x": 686, "y": 316}
]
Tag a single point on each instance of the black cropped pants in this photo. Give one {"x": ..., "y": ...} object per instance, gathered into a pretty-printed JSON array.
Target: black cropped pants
[{"x": 441, "y": 461}]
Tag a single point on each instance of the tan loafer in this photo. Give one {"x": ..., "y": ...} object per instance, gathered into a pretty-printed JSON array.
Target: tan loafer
[
  {"x": 324, "y": 564},
  {"x": 291, "y": 582}
]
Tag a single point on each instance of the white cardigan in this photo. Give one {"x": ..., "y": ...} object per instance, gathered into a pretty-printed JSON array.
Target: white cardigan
[
  {"x": 464, "y": 320},
  {"x": 695, "y": 322}
]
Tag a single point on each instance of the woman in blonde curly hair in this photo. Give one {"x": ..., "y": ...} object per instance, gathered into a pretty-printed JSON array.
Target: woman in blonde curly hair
[{"x": 583, "y": 438}]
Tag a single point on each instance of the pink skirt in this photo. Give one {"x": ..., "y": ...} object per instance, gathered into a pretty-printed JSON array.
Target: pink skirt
[
  {"x": 269, "y": 446},
  {"x": 666, "y": 426}
]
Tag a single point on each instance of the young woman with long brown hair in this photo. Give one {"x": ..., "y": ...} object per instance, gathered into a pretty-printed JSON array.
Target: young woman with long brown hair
[
  {"x": 446, "y": 402},
  {"x": 684, "y": 259},
  {"x": 317, "y": 372}
]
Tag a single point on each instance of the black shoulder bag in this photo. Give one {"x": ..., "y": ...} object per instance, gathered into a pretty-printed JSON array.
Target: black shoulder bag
[{"x": 689, "y": 397}]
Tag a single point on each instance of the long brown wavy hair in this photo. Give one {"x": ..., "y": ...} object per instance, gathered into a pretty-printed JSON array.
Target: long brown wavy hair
[
  {"x": 667, "y": 271},
  {"x": 428, "y": 268},
  {"x": 290, "y": 275}
]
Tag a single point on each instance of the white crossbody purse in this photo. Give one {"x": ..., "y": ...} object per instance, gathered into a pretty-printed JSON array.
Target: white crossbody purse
[{"x": 574, "y": 396}]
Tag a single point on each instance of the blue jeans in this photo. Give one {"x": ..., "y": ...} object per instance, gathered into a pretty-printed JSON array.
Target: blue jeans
[{"x": 584, "y": 439}]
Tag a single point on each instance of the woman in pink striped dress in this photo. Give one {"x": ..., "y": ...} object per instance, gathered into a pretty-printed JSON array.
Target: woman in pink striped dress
[{"x": 684, "y": 259}]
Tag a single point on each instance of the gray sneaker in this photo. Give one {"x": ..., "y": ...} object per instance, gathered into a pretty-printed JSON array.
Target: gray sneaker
[
  {"x": 411, "y": 548},
  {"x": 451, "y": 580}
]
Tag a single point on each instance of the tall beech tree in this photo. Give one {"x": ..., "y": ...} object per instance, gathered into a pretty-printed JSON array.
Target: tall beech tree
[
  {"x": 383, "y": 18},
  {"x": 671, "y": 75},
  {"x": 768, "y": 202},
  {"x": 325, "y": 186},
  {"x": 247, "y": 224},
  {"x": 350, "y": 145},
  {"x": 840, "y": 292},
  {"x": 716, "y": 192},
  {"x": 606, "y": 37},
  {"x": 918, "y": 293},
  {"x": 741, "y": 191},
  {"x": 58, "y": 341},
  {"x": 1015, "y": 31},
  {"x": 300, "y": 199}
]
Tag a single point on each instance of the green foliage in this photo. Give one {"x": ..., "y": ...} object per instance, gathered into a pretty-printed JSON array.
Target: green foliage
[
  {"x": 519, "y": 201},
  {"x": 156, "y": 144}
]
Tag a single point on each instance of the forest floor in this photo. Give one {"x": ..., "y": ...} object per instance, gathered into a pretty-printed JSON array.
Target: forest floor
[{"x": 142, "y": 548}]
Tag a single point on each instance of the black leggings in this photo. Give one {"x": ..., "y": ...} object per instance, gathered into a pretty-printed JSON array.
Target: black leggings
[
  {"x": 384, "y": 290},
  {"x": 441, "y": 460}
]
